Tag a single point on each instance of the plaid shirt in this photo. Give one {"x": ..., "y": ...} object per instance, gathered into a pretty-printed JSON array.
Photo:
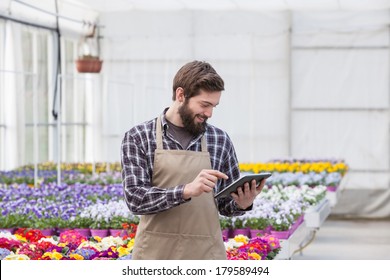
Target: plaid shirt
[{"x": 137, "y": 155}]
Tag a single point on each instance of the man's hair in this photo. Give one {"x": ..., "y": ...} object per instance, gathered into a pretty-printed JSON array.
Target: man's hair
[{"x": 194, "y": 76}]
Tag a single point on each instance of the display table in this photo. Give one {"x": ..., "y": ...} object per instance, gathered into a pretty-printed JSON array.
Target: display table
[
  {"x": 315, "y": 215},
  {"x": 293, "y": 243}
]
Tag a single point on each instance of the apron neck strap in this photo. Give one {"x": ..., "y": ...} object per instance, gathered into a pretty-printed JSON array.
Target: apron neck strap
[
  {"x": 204, "y": 144},
  {"x": 159, "y": 136}
]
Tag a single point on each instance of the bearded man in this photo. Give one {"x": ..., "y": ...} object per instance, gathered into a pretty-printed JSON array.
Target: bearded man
[{"x": 171, "y": 168}]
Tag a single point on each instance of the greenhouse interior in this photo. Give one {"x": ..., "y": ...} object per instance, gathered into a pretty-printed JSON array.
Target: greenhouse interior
[{"x": 306, "y": 98}]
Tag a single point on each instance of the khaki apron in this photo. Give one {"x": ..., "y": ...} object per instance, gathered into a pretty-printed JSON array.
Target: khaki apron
[{"x": 190, "y": 230}]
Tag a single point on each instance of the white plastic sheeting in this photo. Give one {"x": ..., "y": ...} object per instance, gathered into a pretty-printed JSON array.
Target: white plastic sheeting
[
  {"x": 74, "y": 18},
  {"x": 12, "y": 114},
  {"x": 340, "y": 101},
  {"x": 229, "y": 5}
]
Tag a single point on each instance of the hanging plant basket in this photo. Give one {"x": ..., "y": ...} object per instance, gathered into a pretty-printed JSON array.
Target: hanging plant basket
[{"x": 89, "y": 65}]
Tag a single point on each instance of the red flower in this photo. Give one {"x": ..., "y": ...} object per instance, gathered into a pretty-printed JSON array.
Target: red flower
[
  {"x": 32, "y": 235},
  {"x": 31, "y": 250},
  {"x": 10, "y": 244},
  {"x": 72, "y": 237},
  {"x": 131, "y": 230}
]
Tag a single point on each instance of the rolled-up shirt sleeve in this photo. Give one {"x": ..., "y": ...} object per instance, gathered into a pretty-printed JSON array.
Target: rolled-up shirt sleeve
[{"x": 141, "y": 197}]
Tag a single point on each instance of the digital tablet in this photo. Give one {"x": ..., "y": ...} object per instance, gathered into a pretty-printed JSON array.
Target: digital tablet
[{"x": 240, "y": 182}]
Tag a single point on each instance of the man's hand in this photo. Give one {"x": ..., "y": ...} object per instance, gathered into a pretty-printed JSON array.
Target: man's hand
[
  {"x": 204, "y": 182},
  {"x": 246, "y": 195}
]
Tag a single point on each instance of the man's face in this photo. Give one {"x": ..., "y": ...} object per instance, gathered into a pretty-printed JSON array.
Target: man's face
[{"x": 195, "y": 111}]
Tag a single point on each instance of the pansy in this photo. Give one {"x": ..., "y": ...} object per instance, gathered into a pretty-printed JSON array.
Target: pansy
[
  {"x": 86, "y": 253},
  {"x": 4, "y": 252}
]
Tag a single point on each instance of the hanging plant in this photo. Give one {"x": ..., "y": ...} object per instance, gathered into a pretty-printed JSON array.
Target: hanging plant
[
  {"x": 89, "y": 64},
  {"x": 88, "y": 54}
]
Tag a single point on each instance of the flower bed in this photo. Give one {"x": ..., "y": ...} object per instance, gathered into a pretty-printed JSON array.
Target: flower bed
[
  {"x": 300, "y": 172},
  {"x": 277, "y": 209},
  {"x": 31, "y": 244},
  {"x": 65, "y": 206},
  {"x": 70, "y": 245}
]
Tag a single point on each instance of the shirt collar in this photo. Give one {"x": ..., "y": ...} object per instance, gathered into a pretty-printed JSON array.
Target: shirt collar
[{"x": 164, "y": 120}]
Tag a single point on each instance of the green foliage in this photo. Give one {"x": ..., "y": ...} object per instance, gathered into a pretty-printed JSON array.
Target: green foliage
[
  {"x": 257, "y": 223},
  {"x": 12, "y": 220},
  {"x": 225, "y": 222}
]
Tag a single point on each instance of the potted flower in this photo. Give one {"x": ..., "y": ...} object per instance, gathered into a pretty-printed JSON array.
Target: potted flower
[
  {"x": 88, "y": 58},
  {"x": 257, "y": 226},
  {"x": 226, "y": 226},
  {"x": 43, "y": 224},
  {"x": 117, "y": 223},
  {"x": 280, "y": 227},
  {"x": 82, "y": 225},
  {"x": 239, "y": 226},
  {"x": 100, "y": 228}
]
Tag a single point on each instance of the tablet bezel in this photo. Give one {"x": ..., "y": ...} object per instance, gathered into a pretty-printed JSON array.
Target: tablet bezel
[{"x": 240, "y": 182}]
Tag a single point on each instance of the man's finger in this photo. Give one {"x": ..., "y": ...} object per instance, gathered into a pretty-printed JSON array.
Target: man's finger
[{"x": 217, "y": 174}]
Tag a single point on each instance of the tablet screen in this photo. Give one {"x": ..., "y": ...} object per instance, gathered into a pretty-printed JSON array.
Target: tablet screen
[{"x": 240, "y": 182}]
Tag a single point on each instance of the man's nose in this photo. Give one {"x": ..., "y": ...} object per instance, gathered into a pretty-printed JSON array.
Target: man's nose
[{"x": 208, "y": 112}]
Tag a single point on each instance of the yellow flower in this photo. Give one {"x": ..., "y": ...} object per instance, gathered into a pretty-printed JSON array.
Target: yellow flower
[
  {"x": 53, "y": 255},
  {"x": 56, "y": 255},
  {"x": 76, "y": 256},
  {"x": 241, "y": 238},
  {"x": 255, "y": 256},
  {"x": 97, "y": 238},
  {"x": 123, "y": 251},
  {"x": 20, "y": 238},
  {"x": 131, "y": 243}
]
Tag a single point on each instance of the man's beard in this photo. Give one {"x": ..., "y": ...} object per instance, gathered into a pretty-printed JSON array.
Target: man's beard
[{"x": 188, "y": 119}]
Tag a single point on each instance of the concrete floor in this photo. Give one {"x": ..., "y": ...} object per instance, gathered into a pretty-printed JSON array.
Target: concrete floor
[{"x": 349, "y": 240}]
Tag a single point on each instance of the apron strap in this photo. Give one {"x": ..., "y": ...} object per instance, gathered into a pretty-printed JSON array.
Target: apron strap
[
  {"x": 159, "y": 134},
  {"x": 159, "y": 137},
  {"x": 204, "y": 144}
]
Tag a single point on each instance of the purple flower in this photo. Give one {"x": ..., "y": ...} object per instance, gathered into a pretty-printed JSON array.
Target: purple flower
[
  {"x": 4, "y": 252},
  {"x": 85, "y": 252}
]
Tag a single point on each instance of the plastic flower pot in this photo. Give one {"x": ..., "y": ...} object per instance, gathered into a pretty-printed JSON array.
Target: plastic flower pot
[
  {"x": 99, "y": 232},
  {"x": 84, "y": 231}
]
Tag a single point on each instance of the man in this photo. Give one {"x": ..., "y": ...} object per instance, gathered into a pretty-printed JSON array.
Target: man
[{"x": 171, "y": 167}]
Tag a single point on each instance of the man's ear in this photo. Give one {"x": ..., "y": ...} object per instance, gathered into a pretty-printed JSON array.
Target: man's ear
[{"x": 180, "y": 94}]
